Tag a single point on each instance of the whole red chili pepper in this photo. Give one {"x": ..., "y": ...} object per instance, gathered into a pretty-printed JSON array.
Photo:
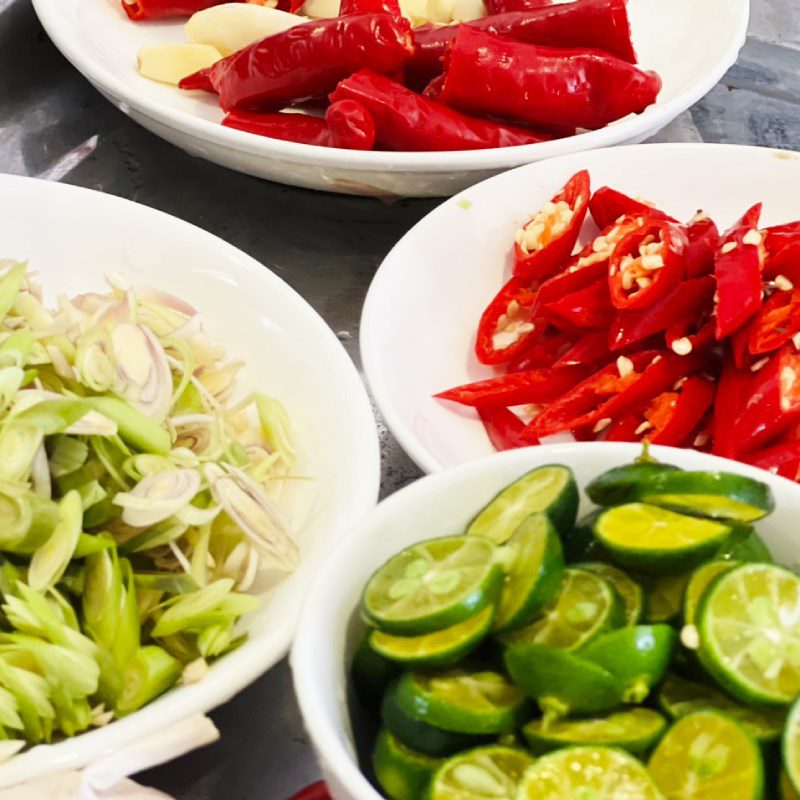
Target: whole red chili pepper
[
  {"x": 780, "y": 459},
  {"x": 139, "y": 10},
  {"x": 493, "y": 76},
  {"x": 504, "y": 428},
  {"x": 405, "y": 120},
  {"x": 316, "y": 791},
  {"x": 772, "y": 401},
  {"x": 351, "y": 125},
  {"x": 593, "y": 24},
  {"x": 306, "y": 61},
  {"x": 516, "y": 388},
  {"x": 608, "y": 205},
  {"x": 587, "y": 308},
  {"x": 731, "y": 389},
  {"x": 682, "y": 305},
  {"x": 505, "y": 329},
  {"x": 501, "y": 6},
  {"x": 737, "y": 267},
  {"x": 348, "y": 8},
  {"x": 777, "y": 321},
  {"x": 703, "y": 244},
  {"x": 544, "y": 349},
  {"x": 289, "y": 127},
  {"x": 647, "y": 264},
  {"x": 545, "y": 242},
  {"x": 347, "y": 124}
]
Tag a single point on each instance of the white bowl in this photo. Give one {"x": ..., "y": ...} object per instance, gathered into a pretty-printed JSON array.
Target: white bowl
[
  {"x": 691, "y": 44},
  {"x": 422, "y": 310},
  {"x": 72, "y": 237},
  {"x": 330, "y": 624}
]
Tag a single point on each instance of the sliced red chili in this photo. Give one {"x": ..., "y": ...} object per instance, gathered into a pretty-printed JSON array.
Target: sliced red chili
[
  {"x": 772, "y": 401},
  {"x": 698, "y": 334},
  {"x": 506, "y": 329},
  {"x": 703, "y": 237},
  {"x": 587, "y": 308},
  {"x": 777, "y": 321},
  {"x": 782, "y": 244},
  {"x": 545, "y": 349},
  {"x": 780, "y": 459},
  {"x": 516, "y": 388},
  {"x": 731, "y": 388},
  {"x": 675, "y": 415},
  {"x": 737, "y": 266},
  {"x": 611, "y": 393},
  {"x": 646, "y": 264},
  {"x": 591, "y": 349},
  {"x": 545, "y": 242},
  {"x": 504, "y": 428},
  {"x": 587, "y": 266},
  {"x": 624, "y": 429},
  {"x": 608, "y": 205},
  {"x": 682, "y": 304}
]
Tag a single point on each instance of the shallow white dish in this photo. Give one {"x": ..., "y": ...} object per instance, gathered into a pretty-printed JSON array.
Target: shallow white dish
[
  {"x": 71, "y": 238},
  {"x": 330, "y": 624},
  {"x": 422, "y": 310},
  {"x": 690, "y": 44}
]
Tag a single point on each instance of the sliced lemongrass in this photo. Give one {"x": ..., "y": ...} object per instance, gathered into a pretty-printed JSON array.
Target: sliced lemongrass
[
  {"x": 150, "y": 674},
  {"x": 67, "y": 455},
  {"x": 51, "y": 559},
  {"x": 158, "y": 496},
  {"x": 40, "y": 473},
  {"x": 255, "y": 514}
]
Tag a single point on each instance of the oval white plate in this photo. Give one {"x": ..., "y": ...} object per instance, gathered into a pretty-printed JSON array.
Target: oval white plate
[
  {"x": 691, "y": 44},
  {"x": 422, "y": 309},
  {"x": 330, "y": 626},
  {"x": 71, "y": 238}
]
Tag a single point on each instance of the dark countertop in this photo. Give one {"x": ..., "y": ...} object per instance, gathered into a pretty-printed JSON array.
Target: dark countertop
[{"x": 54, "y": 125}]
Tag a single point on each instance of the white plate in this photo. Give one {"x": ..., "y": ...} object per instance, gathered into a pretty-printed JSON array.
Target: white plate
[
  {"x": 422, "y": 309},
  {"x": 72, "y": 237},
  {"x": 691, "y": 44},
  {"x": 330, "y": 625}
]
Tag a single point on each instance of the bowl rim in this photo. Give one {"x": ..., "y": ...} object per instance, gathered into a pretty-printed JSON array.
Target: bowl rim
[
  {"x": 370, "y": 343},
  {"x": 238, "y": 669},
  {"x": 305, "y": 658},
  {"x": 129, "y": 97}
]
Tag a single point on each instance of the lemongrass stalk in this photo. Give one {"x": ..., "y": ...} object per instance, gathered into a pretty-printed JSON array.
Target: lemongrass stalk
[
  {"x": 110, "y": 452},
  {"x": 51, "y": 416},
  {"x": 181, "y": 646},
  {"x": 152, "y": 672},
  {"x": 51, "y": 559},
  {"x": 135, "y": 428},
  {"x": 11, "y": 380},
  {"x": 90, "y": 494},
  {"x": 26, "y": 522}
]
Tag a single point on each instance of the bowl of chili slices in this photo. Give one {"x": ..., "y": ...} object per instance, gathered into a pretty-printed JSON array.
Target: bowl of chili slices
[
  {"x": 633, "y": 294},
  {"x": 397, "y": 97}
]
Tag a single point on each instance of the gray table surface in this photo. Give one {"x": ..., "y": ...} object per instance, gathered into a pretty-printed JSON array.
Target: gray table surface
[{"x": 54, "y": 125}]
